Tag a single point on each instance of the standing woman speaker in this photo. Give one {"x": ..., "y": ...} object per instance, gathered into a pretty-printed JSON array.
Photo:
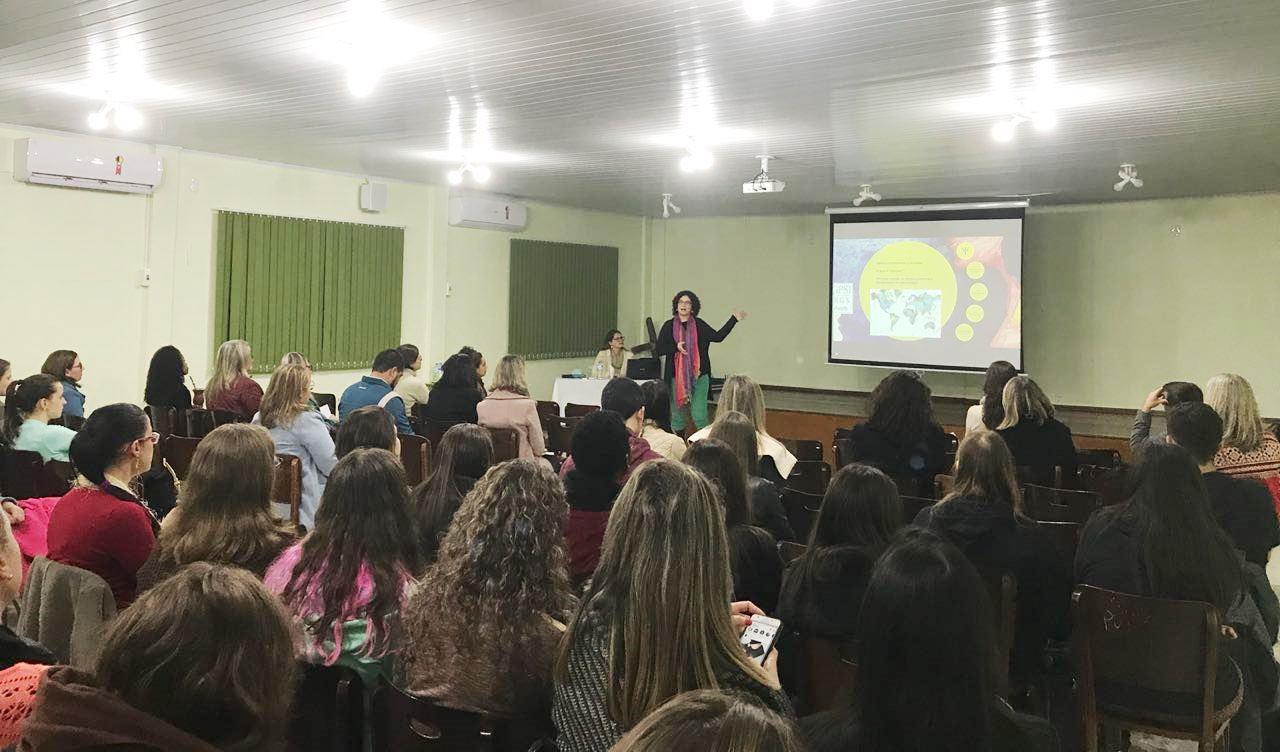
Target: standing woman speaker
[{"x": 685, "y": 341}]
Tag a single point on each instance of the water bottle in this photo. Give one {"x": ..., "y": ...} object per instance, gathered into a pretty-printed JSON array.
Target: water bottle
[{"x": 598, "y": 371}]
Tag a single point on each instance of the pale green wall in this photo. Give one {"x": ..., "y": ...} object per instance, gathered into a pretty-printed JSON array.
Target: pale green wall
[{"x": 1114, "y": 301}]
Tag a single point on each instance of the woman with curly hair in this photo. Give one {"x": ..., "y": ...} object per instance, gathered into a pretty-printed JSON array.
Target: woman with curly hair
[
  {"x": 686, "y": 340},
  {"x": 484, "y": 625},
  {"x": 901, "y": 436}
]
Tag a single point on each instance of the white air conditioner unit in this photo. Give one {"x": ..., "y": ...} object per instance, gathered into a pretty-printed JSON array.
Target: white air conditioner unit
[
  {"x": 98, "y": 165},
  {"x": 487, "y": 212}
]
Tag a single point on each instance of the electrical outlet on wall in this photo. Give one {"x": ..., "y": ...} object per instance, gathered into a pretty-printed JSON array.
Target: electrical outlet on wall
[
  {"x": 448, "y": 289},
  {"x": 144, "y": 277}
]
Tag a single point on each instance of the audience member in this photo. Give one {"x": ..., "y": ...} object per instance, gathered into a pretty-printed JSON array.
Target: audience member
[
  {"x": 102, "y": 526},
  {"x": 299, "y": 431},
  {"x": 6, "y": 377},
  {"x": 925, "y": 663},
  {"x": 483, "y": 626},
  {"x": 345, "y": 582},
  {"x": 29, "y": 408},
  {"x": 611, "y": 361},
  {"x": 1242, "y": 506},
  {"x": 982, "y": 516},
  {"x": 411, "y": 388},
  {"x": 224, "y": 514},
  {"x": 462, "y": 458},
  {"x": 1248, "y": 449},
  {"x": 478, "y": 364},
  {"x": 1168, "y": 396},
  {"x": 166, "y": 380},
  {"x": 1164, "y": 543},
  {"x": 203, "y": 663},
  {"x": 739, "y": 434},
  {"x": 509, "y": 406},
  {"x": 989, "y": 412},
  {"x": 1036, "y": 439},
  {"x": 753, "y": 552},
  {"x": 655, "y": 620},
  {"x": 657, "y": 421},
  {"x": 22, "y": 662},
  {"x": 743, "y": 395},
  {"x": 712, "y": 720},
  {"x": 624, "y": 397},
  {"x": 298, "y": 359},
  {"x": 600, "y": 447},
  {"x": 901, "y": 436},
  {"x": 231, "y": 389},
  {"x": 370, "y": 427},
  {"x": 66, "y": 366},
  {"x": 455, "y": 395},
  {"x": 378, "y": 388}
]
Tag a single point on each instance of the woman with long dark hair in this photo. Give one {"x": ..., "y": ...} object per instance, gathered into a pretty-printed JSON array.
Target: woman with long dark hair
[
  {"x": 739, "y": 433},
  {"x": 455, "y": 396},
  {"x": 657, "y": 421},
  {"x": 926, "y": 660},
  {"x": 463, "y": 457},
  {"x": 166, "y": 380},
  {"x": 901, "y": 436},
  {"x": 484, "y": 623},
  {"x": 345, "y": 582},
  {"x": 30, "y": 407},
  {"x": 989, "y": 411},
  {"x": 369, "y": 426},
  {"x": 685, "y": 340}
]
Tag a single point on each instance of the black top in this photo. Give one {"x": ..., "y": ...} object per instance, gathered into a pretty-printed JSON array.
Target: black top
[
  {"x": 824, "y": 601},
  {"x": 454, "y": 404},
  {"x": 756, "y": 566},
  {"x": 1042, "y": 445},
  {"x": 17, "y": 649},
  {"x": 923, "y": 458},
  {"x": 766, "y": 508},
  {"x": 1011, "y": 731},
  {"x": 991, "y": 536},
  {"x": 706, "y": 335},
  {"x": 168, "y": 395},
  {"x": 1244, "y": 509}
]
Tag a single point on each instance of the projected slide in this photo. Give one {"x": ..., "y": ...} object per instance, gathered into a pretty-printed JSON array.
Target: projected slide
[{"x": 930, "y": 289}]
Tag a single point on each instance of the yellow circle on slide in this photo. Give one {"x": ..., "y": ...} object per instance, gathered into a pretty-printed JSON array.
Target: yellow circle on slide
[
  {"x": 964, "y": 251},
  {"x": 908, "y": 265},
  {"x": 974, "y": 313},
  {"x": 978, "y": 291},
  {"x": 964, "y": 332},
  {"x": 975, "y": 270}
]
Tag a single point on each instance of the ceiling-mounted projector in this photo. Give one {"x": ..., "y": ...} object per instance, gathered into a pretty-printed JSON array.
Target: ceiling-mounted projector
[{"x": 762, "y": 182}]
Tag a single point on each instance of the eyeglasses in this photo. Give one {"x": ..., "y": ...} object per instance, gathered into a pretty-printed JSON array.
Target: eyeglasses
[{"x": 152, "y": 437}]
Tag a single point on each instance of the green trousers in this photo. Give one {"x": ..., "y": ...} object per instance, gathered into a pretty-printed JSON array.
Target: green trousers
[{"x": 697, "y": 405}]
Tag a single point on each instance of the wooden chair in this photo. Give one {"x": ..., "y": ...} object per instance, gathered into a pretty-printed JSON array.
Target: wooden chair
[
  {"x": 506, "y": 443},
  {"x": 943, "y": 484},
  {"x": 328, "y": 710},
  {"x": 841, "y": 447},
  {"x": 1099, "y": 457},
  {"x": 1002, "y": 586},
  {"x": 224, "y": 417},
  {"x": 178, "y": 451},
  {"x": 1040, "y": 476},
  {"x": 1110, "y": 483},
  {"x": 1153, "y": 646},
  {"x": 1059, "y": 504},
  {"x": 167, "y": 421},
  {"x": 577, "y": 411},
  {"x": 559, "y": 432},
  {"x": 405, "y": 723},
  {"x": 74, "y": 422},
  {"x": 548, "y": 409},
  {"x": 830, "y": 672},
  {"x": 25, "y": 475},
  {"x": 912, "y": 485},
  {"x": 802, "y": 510},
  {"x": 199, "y": 423},
  {"x": 327, "y": 400},
  {"x": 953, "y": 442},
  {"x": 432, "y": 430},
  {"x": 810, "y": 477},
  {"x": 1065, "y": 537},
  {"x": 286, "y": 487},
  {"x": 790, "y": 551},
  {"x": 804, "y": 450},
  {"x": 912, "y": 506},
  {"x": 415, "y": 455}
]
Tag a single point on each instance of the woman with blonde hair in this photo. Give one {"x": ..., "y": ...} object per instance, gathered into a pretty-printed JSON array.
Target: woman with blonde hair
[
  {"x": 299, "y": 431},
  {"x": 1036, "y": 438},
  {"x": 742, "y": 394},
  {"x": 1248, "y": 449},
  {"x": 711, "y": 720},
  {"x": 483, "y": 625},
  {"x": 231, "y": 389},
  {"x": 508, "y": 406},
  {"x": 656, "y": 618},
  {"x": 224, "y": 512}
]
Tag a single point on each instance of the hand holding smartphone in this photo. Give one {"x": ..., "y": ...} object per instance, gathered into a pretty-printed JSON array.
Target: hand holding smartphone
[{"x": 760, "y": 637}]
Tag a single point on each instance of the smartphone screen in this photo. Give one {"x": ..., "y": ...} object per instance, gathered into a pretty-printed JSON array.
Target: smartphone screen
[{"x": 759, "y": 638}]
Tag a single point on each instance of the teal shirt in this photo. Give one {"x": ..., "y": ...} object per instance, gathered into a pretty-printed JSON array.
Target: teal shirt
[{"x": 52, "y": 442}]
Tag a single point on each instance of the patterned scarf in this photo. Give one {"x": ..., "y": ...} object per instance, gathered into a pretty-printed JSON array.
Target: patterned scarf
[{"x": 688, "y": 367}]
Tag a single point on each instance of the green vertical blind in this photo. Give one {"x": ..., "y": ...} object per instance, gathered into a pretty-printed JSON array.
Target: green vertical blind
[
  {"x": 563, "y": 298},
  {"x": 329, "y": 290}
]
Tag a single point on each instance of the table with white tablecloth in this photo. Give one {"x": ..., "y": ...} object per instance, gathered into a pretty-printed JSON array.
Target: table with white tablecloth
[{"x": 578, "y": 391}]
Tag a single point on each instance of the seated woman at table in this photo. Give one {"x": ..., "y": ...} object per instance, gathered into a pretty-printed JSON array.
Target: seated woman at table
[{"x": 612, "y": 360}]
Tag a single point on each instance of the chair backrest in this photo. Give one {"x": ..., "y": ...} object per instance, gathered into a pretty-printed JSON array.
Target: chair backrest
[
  {"x": 74, "y": 422},
  {"x": 506, "y": 443},
  {"x": 912, "y": 485},
  {"x": 1050, "y": 476},
  {"x": 1110, "y": 483},
  {"x": 548, "y": 409},
  {"x": 790, "y": 551},
  {"x": 328, "y": 710},
  {"x": 841, "y": 447},
  {"x": 415, "y": 455},
  {"x": 953, "y": 441},
  {"x": 1059, "y": 504},
  {"x": 25, "y": 475},
  {"x": 1099, "y": 457},
  {"x": 810, "y": 477},
  {"x": 911, "y": 506},
  {"x": 1160, "y": 646},
  {"x": 572, "y": 410},
  {"x": 406, "y": 723},
  {"x": 325, "y": 399},
  {"x": 167, "y": 421},
  {"x": 178, "y": 451},
  {"x": 1065, "y": 537},
  {"x": 286, "y": 486},
  {"x": 830, "y": 672},
  {"x": 805, "y": 450},
  {"x": 1002, "y": 586},
  {"x": 223, "y": 417},
  {"x": 802, "y": 510},
  {"x": 199, "y": 422},
  {"x": 431, "y": 429},
  {"x": 559, "y": 432}
]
